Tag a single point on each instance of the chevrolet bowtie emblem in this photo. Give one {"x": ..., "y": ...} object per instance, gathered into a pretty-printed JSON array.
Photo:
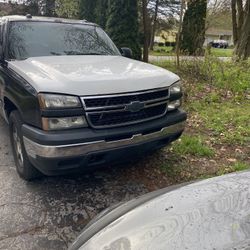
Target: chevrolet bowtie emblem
[{"x": 134, "y": 106}]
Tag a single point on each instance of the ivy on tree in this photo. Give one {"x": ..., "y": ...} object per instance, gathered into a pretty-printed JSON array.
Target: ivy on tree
[
  {"x": 123, "y": 26},
  {"x": 193, "y": 28}
]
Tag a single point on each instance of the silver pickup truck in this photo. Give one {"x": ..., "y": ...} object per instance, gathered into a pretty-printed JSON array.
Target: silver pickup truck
[{"x": 74, "y": 101}]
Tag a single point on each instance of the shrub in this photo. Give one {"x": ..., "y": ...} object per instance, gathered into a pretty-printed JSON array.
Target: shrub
[
  {"x": 170, "y": 44},
  {"x": 160, "y": 44}
]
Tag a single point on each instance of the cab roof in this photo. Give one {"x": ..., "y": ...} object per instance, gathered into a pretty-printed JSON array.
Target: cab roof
[{"x": 45, "y": 19}]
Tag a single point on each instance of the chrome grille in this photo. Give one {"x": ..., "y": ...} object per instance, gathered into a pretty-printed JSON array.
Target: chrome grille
[{"x": 124, "y": 109}]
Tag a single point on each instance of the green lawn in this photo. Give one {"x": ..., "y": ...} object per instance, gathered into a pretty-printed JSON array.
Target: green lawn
[
  {"x": 217, "y": 138},
  {"x": 162, "y": 51},
  {"x": 222, "y": 52},
  {"x": 169, "y": 51}
]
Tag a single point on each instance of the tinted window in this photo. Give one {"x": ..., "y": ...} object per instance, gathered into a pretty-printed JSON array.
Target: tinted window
[{"x": 33, "y": 39}]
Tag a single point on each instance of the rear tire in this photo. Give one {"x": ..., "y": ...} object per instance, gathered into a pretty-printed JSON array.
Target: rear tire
[{"x": 23, "y": 166}]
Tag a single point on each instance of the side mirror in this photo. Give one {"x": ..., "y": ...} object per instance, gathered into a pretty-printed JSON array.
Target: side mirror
[{"x": 126, "y": 52}]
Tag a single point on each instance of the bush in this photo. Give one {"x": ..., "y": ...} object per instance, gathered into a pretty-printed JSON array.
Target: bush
[
  {"x": 160, "y": 44},
  {"x": 170, "y": 44}
]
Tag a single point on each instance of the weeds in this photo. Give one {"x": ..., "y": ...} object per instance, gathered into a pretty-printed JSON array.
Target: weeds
[
  {"x": 230, "y": 77},
  {"x": 217, "y": 139},
  {"x": 190, "y": 145},
  {"x": 240, "y": 166}
]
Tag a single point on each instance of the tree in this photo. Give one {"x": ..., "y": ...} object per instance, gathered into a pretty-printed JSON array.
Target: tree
[
  {"x": 219, "y": 14},
  {"x": 67, "y": 8},
  {"x": 145, "y": 29},
  {"x": 87, "y": 10},
  {"x": 101, "y": 12},
  {"x": 95, "y": 11},
  {"x": 122, "y": 25},
  {"x": 193, "y": 28},
  {"x": 47, "y": 7},
  {"x": 241, "y": 28},
  {"x": 178, "y": 35},
  {"x": 13, "y": 8},
  {"x": 32, "y": 7},
  {"x": 161, "y": 13},
  {"x": 154, "y": 24}
]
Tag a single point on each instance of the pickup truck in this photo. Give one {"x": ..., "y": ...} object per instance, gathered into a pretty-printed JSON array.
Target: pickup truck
[{"x": 74, "y": 101}]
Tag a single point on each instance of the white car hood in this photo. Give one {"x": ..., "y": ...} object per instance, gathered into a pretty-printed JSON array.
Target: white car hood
[
  {"x": 91, "y": 75},
  {"x": 210, "y": 214}
]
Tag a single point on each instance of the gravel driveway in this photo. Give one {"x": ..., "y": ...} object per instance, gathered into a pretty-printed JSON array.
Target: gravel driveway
[{"x": 51, "y": 212}]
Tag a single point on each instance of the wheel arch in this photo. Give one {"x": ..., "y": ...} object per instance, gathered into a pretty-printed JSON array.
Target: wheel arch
[{"x": 9, "y": 106}]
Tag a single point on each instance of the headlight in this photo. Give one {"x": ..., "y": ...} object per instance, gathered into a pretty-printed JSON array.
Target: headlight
[
  {"x": 176, "y": 88},
  {"x": 53, "y": 101},
  {"x": 64, "y": 123},
  {"x": 174, "y": 105}
]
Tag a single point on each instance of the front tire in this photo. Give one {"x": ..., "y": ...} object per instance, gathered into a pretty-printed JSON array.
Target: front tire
[{"x": 23, "y": 166}]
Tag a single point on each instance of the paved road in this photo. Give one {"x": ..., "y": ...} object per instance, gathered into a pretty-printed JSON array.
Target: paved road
[{"x": 50, "y": 213}]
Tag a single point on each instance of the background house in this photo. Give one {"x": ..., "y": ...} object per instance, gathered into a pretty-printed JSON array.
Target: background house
[
  {"x": 211, "y": 34},
  {"x": 218, "y": 34},
  {"x": 168, "y": 36}
]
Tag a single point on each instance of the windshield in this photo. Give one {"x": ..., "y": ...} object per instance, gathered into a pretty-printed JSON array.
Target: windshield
[{"x": 34, "y": 39}]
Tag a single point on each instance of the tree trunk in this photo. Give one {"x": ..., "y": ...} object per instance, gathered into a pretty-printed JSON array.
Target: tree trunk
[
  {"x": 145, "y": 27},
  {"x": 240, "y": 15},
  {"x": 179, "y": 34},
  {"x": 154, "y": 25},
  {"x": 234, "y": 21},
  {"x": 243, "y": 45}
]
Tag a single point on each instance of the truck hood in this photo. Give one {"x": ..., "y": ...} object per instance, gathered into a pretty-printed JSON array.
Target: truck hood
[
  {"x": 91, "y": 75},
  {"x": 211, "y": 214}
]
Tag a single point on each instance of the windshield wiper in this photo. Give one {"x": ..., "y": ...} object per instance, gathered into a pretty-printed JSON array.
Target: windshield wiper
[
  {"x": 97, "y": 54},
  {"x": 18, "y": 59},
  {"x": 55, "y": 53},
  {"x": 78, "y": 53}
]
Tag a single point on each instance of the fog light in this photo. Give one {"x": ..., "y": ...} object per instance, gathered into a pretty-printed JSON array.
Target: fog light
[
  {"x": 64, "y": 123},
  {"x": 174, "y": 105}
]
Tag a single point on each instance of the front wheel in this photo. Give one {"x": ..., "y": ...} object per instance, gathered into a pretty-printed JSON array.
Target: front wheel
[{"x": 23, "y": 166}]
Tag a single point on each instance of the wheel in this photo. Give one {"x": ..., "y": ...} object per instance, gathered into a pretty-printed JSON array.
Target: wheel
[{"x": 23, "y": 166}]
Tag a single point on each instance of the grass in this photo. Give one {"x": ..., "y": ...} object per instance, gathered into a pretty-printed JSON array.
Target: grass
[
  {"x": 237, "y": 166},
  {"x": 162, "y": 51},
  {"x": 222, "y": 52},
  {"x": 192, "y": 145},
  {"x": 228, "y": 121},
  {"x": 169, "y": 51},
  {"x": 217, "y": 138},
  {"x": 240, "y": 166}
]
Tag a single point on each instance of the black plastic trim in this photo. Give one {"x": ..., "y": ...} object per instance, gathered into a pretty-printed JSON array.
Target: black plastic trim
[
  {"x": 63, "y": 112},
  {"x": 87, "y": 134}
]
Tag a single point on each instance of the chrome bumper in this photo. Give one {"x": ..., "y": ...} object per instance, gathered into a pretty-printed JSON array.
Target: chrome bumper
[{"x": 34, "y": 149}]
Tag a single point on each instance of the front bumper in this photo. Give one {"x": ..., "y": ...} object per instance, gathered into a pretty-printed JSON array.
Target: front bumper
[
  {"x": 54, "y": 152},
  {"x": 34, "y": 149}
]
